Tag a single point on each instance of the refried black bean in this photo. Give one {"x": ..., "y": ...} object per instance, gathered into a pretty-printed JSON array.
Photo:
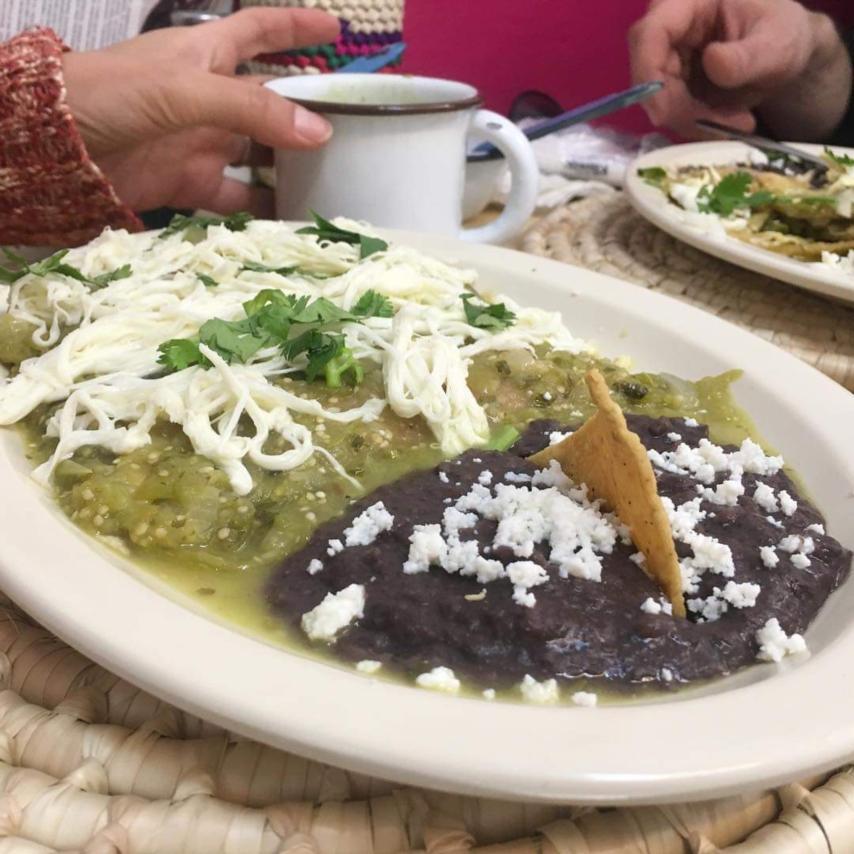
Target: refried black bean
[{"x": 578, "y": 628}]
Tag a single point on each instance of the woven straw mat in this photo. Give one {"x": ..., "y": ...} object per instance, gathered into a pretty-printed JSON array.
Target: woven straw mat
[
  {"x": 91, "y": 764},
  {"x": 603, "y": 233}
]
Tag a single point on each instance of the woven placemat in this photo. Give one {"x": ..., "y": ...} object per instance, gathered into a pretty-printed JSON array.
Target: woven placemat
[
  {"x": 91, "y": 764},
  {"x": 604, "y": 233}
]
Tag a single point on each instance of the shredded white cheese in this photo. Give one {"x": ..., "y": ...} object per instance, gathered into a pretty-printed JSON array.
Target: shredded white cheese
[{"x": 105, "y": 375}]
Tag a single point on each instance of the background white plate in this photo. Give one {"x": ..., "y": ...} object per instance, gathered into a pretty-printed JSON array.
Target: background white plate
[
  {"x": 652, "y": 204},
  {"x": 756, "y": 730}
]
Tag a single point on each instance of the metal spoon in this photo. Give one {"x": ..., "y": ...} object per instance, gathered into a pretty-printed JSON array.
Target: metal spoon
[
  {"x": 762, "y": 143},
  {"x": 586, "y": 112}
]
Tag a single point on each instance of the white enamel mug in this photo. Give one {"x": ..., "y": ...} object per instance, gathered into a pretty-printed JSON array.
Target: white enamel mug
[{"x": 397, "y": 156}]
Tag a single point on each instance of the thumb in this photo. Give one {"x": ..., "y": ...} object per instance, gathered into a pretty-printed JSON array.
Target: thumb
[{"x": 755, "y": 60}]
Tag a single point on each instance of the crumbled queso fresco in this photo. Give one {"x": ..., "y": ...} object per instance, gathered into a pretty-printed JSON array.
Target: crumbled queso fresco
[
  {"x": 558, "y": 512},
  {"x": 334, "y": 613},
  {"x": 539, "y": 692},
  {"x": 439, "y": 679},
  {"x": 775, "y": 644}
]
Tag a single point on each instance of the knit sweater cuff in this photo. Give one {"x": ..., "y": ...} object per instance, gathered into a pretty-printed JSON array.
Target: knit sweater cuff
[{"x": 51, "y": 193}]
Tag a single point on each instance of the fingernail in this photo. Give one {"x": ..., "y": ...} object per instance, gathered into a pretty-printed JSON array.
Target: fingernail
[{"x": 310, "y": 126}]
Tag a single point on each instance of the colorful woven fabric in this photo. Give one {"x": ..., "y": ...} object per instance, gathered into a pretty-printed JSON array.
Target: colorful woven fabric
[
  {"x": 51, "y": 193},
  {"x": 367, "y": 27}
]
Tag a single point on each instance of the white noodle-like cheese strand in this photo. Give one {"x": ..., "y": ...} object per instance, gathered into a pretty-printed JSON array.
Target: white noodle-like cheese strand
[{"x": 105, "y": 375}]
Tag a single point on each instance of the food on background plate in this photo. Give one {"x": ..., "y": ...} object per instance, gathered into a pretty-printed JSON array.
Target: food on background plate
[
  {"x": 328, "y": 439},
  {"x": 773, "y": 202}
]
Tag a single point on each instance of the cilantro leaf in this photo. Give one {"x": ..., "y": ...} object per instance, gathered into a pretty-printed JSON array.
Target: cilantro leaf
[
  {"x": 180, "y": 222},
  {"x": 55, "y": 264},
  {"x": 295, "y": 309},
  {"x": 234, "y": 341},
  {"x": 21, "y": 268},
  {"x": 328, "y": 232},
  {"x": 180, "y": 353},
  {"x": 325, "y": 353},
  {"x": 373, "y": 304},
  {"x": 104, "y": 279},
  {"x": 842, "y": 160},
  {"x": 255, "y": 267},
  {"x": 206, "y": 280},
  {"x": 10, "y": 275},
  {"x": 320, "y": 310},
  {"x": 265, "y": 297},
  {"x": 487, "y": 316},
  {"x": 730, "y": 193},
  {"x": 653, "y": 175},
  {"x": 368, "y": 245},
  {"x": 298, "y": 325}
]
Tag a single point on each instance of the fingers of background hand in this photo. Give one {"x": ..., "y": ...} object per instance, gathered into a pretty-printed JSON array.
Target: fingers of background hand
[
  {"x": 245, "y": 34},
  {"x": 207, "y": 100},
  {"x": 774, "y": 49},
  {"x": 680, "y": 110},
  {"x": 654, "y": 43},
  {"x": 667, "y": 26}
]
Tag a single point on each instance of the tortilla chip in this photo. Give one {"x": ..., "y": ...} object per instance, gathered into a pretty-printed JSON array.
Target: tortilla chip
[{"x": 604, "y": 454}]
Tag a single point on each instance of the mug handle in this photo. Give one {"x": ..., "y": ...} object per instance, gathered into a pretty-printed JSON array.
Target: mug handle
[{"x": 524, "y": 173}]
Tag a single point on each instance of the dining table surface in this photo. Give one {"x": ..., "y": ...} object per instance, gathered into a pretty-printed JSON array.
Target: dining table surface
[{"x": 137, "y": 775}]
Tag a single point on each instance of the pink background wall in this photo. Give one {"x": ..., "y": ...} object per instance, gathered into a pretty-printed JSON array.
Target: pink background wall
[{"x": 574, "y": 50}]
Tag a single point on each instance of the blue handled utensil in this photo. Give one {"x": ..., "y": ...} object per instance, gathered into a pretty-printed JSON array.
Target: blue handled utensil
[
  {"x": 586, "y": 112},
  {"x": 369, "y": 64}
]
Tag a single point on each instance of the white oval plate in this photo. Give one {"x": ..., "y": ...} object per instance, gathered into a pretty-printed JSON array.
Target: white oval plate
[
  {"x": 763, "y": 727},
  {"x": 652, "y": 204}
]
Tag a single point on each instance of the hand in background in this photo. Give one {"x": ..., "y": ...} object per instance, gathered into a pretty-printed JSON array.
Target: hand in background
[
  {"x": 734, "y": 61},
  {"x": 163, "y": 114}
]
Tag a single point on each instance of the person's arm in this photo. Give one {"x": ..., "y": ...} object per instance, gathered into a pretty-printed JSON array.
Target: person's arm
[
  {"x": 85, "y": 138},
  {"x": 810, "y": 106},
  {"x": 51, "y": 193},
  {"x": 743, "y": 61}
]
